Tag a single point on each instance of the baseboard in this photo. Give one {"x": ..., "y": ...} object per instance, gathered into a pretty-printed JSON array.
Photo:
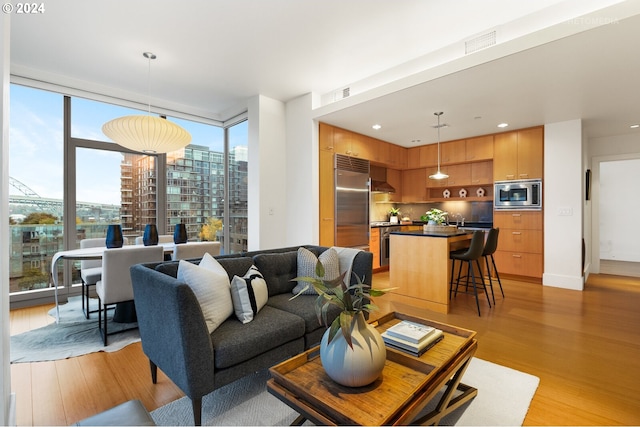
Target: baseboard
[{"x": 575, "y": 283}]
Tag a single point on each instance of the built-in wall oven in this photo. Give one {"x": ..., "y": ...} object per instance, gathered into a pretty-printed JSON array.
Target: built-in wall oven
[{"x": 385, "y": 232}]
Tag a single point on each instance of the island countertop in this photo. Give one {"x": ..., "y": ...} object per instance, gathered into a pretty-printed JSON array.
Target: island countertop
[{"x": 432, "y": 233}]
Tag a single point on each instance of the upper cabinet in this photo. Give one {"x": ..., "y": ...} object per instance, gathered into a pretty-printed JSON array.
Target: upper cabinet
[
  {"x": 325, "y": 137},
  {"x": 518, "y": 154},
  {"x": 391, "y": 155},
  {"x": 353, "y": 144},
  {"x": 452, "y": 152},
  {"x": 413, "y": 185},
  {"x": 480, "y": 148}
]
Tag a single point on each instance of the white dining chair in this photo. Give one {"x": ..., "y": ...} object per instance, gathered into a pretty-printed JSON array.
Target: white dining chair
[
  {"x": 90, "y": 272},
  {"x": 195, "y": 250},
  {"x": 162, "y": 238},
  {"x": 115, "y": 285}
]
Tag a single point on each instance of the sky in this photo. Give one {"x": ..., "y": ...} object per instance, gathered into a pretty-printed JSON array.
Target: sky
[{"x": 36, "y": 144}]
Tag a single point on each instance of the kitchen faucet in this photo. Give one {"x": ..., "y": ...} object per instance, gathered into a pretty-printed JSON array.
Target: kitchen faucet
[{"x": 459, "y": 218}]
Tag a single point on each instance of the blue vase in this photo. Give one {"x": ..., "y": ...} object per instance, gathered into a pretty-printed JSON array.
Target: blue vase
[
  {"x": 114, "y": 236},
  {"x": 180, "y": 234},
  {"x": 150, "y": 236}
]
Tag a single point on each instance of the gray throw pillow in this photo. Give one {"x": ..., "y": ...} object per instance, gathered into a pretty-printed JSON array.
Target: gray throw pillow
[{"x": 307, "y": 268}]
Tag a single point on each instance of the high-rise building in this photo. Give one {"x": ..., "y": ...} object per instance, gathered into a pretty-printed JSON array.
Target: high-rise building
[{"x": 195, "y": 192}]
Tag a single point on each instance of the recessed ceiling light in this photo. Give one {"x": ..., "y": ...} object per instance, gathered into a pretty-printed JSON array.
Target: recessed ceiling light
[
  {"x": 377, "y": 127},
  {"x": 634, "y": 126},
  {"x": 503, "y": 125}
]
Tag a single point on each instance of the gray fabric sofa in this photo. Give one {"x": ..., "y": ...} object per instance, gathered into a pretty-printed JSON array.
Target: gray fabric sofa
[{"x": 176, "y": 340}]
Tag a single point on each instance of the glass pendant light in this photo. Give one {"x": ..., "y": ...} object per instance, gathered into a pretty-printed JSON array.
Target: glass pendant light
[{"x": 438, "y": 174}]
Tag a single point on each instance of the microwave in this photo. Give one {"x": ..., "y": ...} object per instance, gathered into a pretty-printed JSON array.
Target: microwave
[{"x": 520, "y": 194}]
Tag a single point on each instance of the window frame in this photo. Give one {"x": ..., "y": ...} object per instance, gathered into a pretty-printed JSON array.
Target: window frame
[{"x": 70, "y": 145}]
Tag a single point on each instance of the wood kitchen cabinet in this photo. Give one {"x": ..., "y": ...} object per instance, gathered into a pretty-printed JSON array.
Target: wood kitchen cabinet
[
  {"x": 352, "y": 144},
  {"x": 429, "y": 155},
  {"x": 520, "y": 243},
  {"x": 414, "y": 185},
  {"x": 452, "y": 152},
  {"x": 413, "y": 158},
  {"x": 482, "y": 173},
  {"x": 459, "y": 175},
  {"x": 325, "y": 137},
  {"x": 391, "y": 155},
  {"x": 480, "y": 148},
  {"x": 518, "y": 154},
  {"x": 327, "y": 199},
  {"x": 374, "y": 246}
]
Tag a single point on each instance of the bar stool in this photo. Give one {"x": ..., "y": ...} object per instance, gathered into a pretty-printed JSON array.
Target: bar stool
[
  {"x": 469, "y": 255},
  {"x": 490, "y": 247}
]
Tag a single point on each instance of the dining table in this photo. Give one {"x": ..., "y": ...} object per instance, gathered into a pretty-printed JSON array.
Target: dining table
[{"x": 84, "y": 254}]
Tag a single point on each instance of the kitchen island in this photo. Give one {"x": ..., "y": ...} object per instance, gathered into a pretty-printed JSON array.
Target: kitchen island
[{"x": 420, "y": 267}]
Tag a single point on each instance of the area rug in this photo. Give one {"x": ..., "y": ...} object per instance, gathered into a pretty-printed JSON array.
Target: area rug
[
  {"x": 73, "y": 336},
  {"x": 503, "y": 399}
]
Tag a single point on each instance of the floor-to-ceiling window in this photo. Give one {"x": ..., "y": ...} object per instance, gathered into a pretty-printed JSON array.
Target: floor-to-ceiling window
[
  {"x": 57, "y": 167},
  {"x": 36, "y": 190},
  {"x": 238, "y": 188}
]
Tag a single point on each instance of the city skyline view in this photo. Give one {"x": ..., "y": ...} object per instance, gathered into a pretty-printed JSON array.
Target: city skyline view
[{"x": 36, "y": 144}]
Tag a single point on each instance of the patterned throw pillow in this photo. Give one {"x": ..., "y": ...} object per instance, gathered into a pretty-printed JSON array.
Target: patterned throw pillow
[
  {"x": 210, "y": 284},
  {"x": 249, "y": 294},
  {"x": 307, "y": 267}
]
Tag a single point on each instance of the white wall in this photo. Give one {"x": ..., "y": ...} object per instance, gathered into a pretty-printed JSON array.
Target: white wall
[
  {"x": 563, "y": 193},
  {"x": 612, "y": 148},
  {"x": 618, "y": 185},
  {"x": 302, "y": 172},
  {"x": 7, "y": 414},
  {"x": 267, "y": 209}
]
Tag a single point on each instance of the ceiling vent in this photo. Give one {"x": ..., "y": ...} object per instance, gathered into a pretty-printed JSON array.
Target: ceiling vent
[
  {"x": 341, "y": 94},
  {"x": 481, "y": 42}
]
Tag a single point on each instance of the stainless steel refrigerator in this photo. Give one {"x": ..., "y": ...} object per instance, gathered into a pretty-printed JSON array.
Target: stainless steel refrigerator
[{"x": 352, "y": 202}]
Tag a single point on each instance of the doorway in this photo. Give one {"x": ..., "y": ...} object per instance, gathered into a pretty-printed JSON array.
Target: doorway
[{"x": 616, "y": 249}]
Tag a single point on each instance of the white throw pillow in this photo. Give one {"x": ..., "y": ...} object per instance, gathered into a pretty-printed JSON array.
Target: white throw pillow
[
  {"x": 211, "y": 288},
  {"x": 307, "y": 268},
  {"x": 249, "y": 294}
]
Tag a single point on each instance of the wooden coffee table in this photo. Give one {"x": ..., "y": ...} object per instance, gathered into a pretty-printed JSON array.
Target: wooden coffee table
[{"x": 398, "y": 397}]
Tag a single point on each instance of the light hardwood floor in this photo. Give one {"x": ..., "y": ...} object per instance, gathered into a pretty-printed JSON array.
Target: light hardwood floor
[{"x": 584, "y": 347}]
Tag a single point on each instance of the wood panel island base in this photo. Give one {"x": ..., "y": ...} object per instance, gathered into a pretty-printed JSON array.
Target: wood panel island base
[{"x": 420, "y": 268}]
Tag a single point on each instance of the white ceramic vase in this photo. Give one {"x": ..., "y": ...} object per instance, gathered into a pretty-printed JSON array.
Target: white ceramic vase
[{"x": 355, "y": 367}]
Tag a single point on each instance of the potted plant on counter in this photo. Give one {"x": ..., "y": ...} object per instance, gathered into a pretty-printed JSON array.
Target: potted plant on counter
[
  {"x": 393, "y": 215},
  {"x": 435, "y": 216},
  {"x": 352, "y": 351}
]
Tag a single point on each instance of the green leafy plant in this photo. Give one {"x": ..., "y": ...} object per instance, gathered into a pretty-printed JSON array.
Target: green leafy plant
[
  {"x": 394, "y": 211},
  {"x": 435, "y": 215},
  {"x": 352, "y": 299}
]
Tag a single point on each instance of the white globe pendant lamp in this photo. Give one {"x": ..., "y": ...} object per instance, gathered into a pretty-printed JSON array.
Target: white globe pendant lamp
[
  {"x": 147, "y": 133},
  {"x": 438, "y": 174}
]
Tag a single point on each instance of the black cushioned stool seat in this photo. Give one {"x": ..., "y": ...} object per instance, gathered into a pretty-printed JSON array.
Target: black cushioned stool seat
[{"x": 131, "y": 413}]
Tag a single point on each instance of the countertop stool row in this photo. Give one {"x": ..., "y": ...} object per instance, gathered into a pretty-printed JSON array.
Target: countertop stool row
[{"x": 479, "y": 248}]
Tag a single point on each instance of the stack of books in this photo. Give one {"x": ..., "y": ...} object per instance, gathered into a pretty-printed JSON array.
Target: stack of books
[{"x": 411, "y": 337}]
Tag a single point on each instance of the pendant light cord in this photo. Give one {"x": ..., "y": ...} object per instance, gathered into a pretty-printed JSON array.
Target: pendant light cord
[
  {"x": 438, "y": 114},
  {"x": 149, "y": 56}
]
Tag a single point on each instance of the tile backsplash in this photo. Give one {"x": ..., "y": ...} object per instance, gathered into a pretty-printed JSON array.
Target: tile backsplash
[{"x": 470, "y": 211}]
